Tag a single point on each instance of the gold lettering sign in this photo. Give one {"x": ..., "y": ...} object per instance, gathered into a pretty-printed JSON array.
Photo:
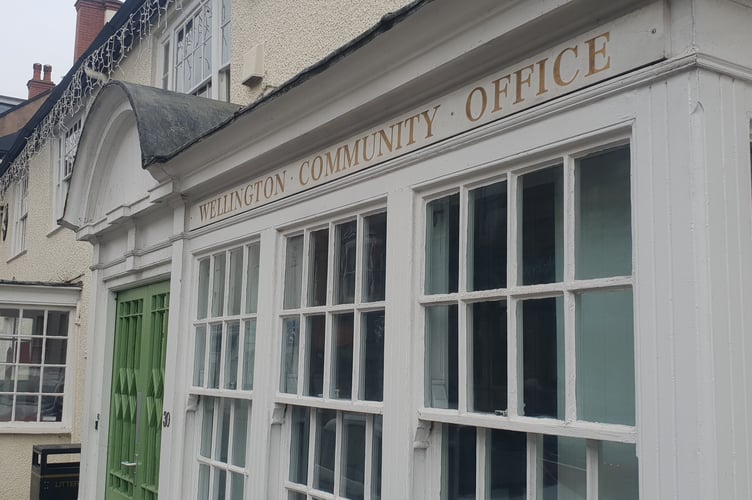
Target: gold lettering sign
[{"x": 625, "y": 44}]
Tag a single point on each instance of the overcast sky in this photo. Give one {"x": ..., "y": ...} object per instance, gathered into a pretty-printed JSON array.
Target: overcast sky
[{"x": 34, "y": 31}]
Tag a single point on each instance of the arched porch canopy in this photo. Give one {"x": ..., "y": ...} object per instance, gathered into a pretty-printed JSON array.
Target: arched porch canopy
[{"x": 129, "y": 128}]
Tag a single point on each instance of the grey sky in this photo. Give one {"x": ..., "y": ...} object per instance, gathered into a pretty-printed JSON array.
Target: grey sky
[{"x": 34, "y": 31}]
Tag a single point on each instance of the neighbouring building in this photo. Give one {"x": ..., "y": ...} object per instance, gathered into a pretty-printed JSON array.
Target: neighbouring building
[
  {"x": 462, "y": 250},
  {"x": 44, "y": 284}
]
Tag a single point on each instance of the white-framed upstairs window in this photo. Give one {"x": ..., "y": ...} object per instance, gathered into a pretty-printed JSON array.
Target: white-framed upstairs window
[
  {"x": 332, "y": 357},
  {"x": 529, "y": 369},
  {"x": 224, "y": 355},
  {"x": 195, "y": 55},
  {"x": 21, "y": 214},
  {"x": 64, "y": 168}
]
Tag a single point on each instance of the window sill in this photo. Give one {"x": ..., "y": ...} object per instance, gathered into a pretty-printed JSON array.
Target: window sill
[
  {"x": 34, "y": 428},
  {"x": 19, "y": 254}
]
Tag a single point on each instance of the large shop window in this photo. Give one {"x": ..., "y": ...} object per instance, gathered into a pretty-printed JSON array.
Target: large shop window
[
  {"x": 529, "y": 355},
  {"x": 196, "y": 53},
  {"x": 225, "y": 340},
  {"x": 33, "y": 360},
  {"x": 332, "y": 367}
]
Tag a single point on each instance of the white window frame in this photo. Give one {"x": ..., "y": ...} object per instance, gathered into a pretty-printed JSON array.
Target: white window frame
[
  {"x": 21, "y": 215},
  {"x": 68, "y": 145},
  {"x": 371, "y": 410},
  {"x": 47, "y": 298},
  {"x": 217, "y": 83},
  {"x": 437, "y": 419},
  {"x": 221, "y": 394}
]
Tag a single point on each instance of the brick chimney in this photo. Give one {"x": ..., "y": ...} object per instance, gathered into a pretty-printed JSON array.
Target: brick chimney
[
  {"x": 39, "y": 84},
  {"x": 91, "y": 17}
]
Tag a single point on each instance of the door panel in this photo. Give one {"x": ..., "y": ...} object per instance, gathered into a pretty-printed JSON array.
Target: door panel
[{"x": 137, "y": 391}]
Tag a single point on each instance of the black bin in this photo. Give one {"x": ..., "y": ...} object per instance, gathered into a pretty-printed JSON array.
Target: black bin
[{"x": 54, "y": 481}]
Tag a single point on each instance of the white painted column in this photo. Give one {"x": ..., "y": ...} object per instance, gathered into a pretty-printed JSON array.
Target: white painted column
[
  {"x": 264, "y": 436},
  {"x": 400, "y": 415},
  {"x": 178, "y": 359}
]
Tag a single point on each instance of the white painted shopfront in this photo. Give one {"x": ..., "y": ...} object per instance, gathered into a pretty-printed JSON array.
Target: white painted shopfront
[{"x": 476, "y": 256}]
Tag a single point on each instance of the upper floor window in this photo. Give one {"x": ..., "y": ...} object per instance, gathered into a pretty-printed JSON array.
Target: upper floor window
[
  {"x": 196, "y": 52},
  {"x": 64, "y": 170},
  {"x": 21, "y": 215}
]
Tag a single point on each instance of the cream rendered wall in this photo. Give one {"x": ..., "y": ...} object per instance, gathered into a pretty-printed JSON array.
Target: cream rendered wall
[
  {"x": 55, "y": 256},
  {"x": 295, "y": 38}
]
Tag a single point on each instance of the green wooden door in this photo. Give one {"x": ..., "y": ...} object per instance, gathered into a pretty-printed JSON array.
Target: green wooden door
[{"x": 137, "y": 385}]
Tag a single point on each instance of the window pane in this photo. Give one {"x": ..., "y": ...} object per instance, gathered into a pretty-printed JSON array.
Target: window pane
[
  {"x": 203, "y": 482},
  {"x": 487, "y": 238},
  {"x": 488, "y": 327},
  {"x": 290, "y": 342},
  {"x": 542, "y": 226},
  {"x": 376, "y": 459},
  {"x": 316, "y": 333},
  {"x": 32, "y": 322},
  {"x": 605, "y": 357},
  {"x": 293, "y": 495},
  {"x": 317, "y": 272},
  {"x": 299, "y": 445},
  {"x": 7, "y": 377},
  {"x": 236, "y": 281},
  {"x": 458, "y": 464},
  {"x": 232, "y": 351},
  {"x": 8, "y": 322},
  {"x": 220, "y": 484},
  {"x": 603, "y": 216},
  {"x": 55, "y": 350},
  {"x": 28, "y": 378},
  {"x": 52, "y": 409},
  {"x": 26, "y": 408},
  {"x": 374, "y": 257},
  {"x": 249, "y": 353},
  {"x": 561, "y": 469},
  {"x": 442, "y": 244},
  {"x": 203, "y": 290},
  {"x": 441, "y": 356},
  {"x": 223, "y": 430},
  {"x": 506, "y": 465},
  {"x": 252, "y": 278},
  {"x": 199, "y": 356},
  {"x": 239, "y": 432},
  {"x": 326, "y": 444},
  {"x": 372, "y": 357},
  {"x": 342, "y": 359},
  {"x": 53, "y": 381},
  {"x": 345, "y": 262},
  {"x": 30, "y": 351},
  {"x": 617, "y": 472},
  {"x": 6, "y": 408},
  {"x": 293, "y": 272},
  {"x": 236, "y": 486},
  {"x": 215, "y": 353},
  {"x": 218, "y": 286},
  {"x": 353, "y": 455},
  {"x": 207, "y": 427},
  {"x": 57, "y": 324},
  {"x": 543, "y": 357}
]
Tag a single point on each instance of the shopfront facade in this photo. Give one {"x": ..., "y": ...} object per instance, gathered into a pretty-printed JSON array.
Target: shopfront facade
[{"x": 474, "y": 256}]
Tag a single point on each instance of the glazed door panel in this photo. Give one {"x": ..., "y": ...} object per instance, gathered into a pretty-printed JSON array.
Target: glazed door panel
[{"x": 137, "y": 388}]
